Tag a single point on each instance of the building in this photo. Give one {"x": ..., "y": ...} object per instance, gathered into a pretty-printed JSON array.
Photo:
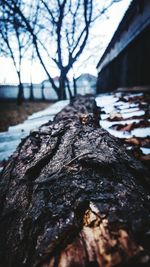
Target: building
[
  {"x": 126, "y": 60},
  {"x": 86, "y": 84}
]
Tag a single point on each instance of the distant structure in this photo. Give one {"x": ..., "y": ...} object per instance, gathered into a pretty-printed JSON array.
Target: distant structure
[
  {"x": 41, "y": 91},
  {"x": 126, "y": 60},
  {"x": 86, "y": 84},
  {"x": 10, "y": 91}
]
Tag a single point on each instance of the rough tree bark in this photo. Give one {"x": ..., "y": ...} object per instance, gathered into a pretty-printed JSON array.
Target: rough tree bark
[{"x": 71, "y": 196}]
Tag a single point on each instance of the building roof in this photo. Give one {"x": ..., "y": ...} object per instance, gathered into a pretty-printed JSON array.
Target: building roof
[
  {"x": 135, "y": 7},
  {"x": 86, "y": 76}
]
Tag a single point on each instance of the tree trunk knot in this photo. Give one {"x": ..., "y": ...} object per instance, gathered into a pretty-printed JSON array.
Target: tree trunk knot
[{"x": 85, "y": 118}]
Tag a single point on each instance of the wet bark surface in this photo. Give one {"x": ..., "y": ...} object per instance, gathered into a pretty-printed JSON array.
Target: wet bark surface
[{"x": 72, "y": 196}]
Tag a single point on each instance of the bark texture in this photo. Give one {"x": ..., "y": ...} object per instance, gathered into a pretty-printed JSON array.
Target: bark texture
[{"x": 71, "y": 196}]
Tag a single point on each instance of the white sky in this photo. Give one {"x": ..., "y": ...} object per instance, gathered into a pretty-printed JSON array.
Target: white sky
[{"x": 106, "y": 29}]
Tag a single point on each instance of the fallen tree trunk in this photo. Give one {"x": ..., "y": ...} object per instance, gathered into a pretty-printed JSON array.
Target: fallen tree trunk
[{"x": 71, "y": 196}]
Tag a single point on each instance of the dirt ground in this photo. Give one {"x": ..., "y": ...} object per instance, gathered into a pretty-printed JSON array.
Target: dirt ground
[{"x": 12, "y": 114}]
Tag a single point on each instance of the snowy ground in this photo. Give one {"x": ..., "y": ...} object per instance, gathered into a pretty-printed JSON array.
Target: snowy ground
[{"x": 9, "y": 140}]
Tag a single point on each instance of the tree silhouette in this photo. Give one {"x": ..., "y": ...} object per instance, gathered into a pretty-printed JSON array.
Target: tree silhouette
[{"x": 59, "y": 30}]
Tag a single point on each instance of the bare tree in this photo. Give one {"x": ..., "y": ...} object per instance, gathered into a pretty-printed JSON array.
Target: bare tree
[
  {"x": 14, "y": 43},
  {"x": 68, "y": 23},
  {"x": 59, "y": 30}
]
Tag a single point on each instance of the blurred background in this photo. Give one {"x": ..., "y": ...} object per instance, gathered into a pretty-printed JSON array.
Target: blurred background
[{"x": 49, "y": 50}]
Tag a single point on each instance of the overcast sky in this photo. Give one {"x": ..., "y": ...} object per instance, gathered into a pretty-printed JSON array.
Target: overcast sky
[{"x": 103, "y": 35}]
